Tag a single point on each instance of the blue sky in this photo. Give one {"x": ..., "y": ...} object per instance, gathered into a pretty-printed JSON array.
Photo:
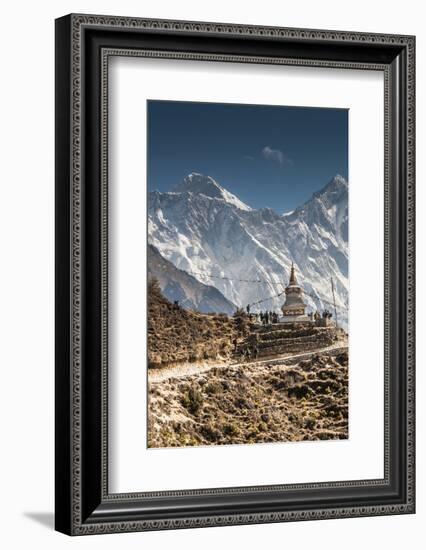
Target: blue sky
[{"x": 269, "y": 156}]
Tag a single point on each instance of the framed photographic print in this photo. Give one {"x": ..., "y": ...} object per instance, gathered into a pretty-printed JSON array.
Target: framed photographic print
[{"x": 234, "y": 274}]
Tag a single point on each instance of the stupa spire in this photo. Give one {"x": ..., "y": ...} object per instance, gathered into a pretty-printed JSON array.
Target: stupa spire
[{"x": 293, "y": 280}]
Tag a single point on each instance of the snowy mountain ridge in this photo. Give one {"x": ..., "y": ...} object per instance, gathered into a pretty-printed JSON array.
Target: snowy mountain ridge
[
  {"x": 206, "y": 185},
  {"x": 207, "y": 231}
]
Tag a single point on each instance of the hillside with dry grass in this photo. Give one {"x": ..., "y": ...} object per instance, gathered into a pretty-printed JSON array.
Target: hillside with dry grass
[
  {"x": 203, "y": 391},
  {"x": 177, "y": 335},
  {"x": 252, "y": 403}
]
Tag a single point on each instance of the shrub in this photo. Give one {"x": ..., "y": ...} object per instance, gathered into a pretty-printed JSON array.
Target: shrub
[
  {"x": 211, "y": 433},
  {"x": 231, "y": 429},
  {"x": 193, "y": 400},
  {"x": 213, "y": 387}
]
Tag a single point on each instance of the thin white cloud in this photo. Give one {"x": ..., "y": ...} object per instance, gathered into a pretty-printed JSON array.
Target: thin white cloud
[{"x": 275, "y": 155}]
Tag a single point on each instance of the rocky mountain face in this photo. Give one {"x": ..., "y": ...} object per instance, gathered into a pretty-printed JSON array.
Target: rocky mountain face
[
  {"x": 245, "y": 253},
  {"x": 179, "y": 285}
]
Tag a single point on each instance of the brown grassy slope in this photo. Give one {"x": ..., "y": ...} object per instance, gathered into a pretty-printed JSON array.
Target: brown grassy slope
[
  {"x": 178, "y": 335},
  {"x": 252, "y": 404}
]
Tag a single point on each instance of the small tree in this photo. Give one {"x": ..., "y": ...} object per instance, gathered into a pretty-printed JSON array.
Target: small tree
[
  {"x": 153, "y": 286},
  {"x": 241, "y": 322}
]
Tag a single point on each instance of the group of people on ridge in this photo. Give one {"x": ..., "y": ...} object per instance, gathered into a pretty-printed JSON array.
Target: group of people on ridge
[
  {"x": 267, "y": 317},
  {"x": 263, "y": 317}
]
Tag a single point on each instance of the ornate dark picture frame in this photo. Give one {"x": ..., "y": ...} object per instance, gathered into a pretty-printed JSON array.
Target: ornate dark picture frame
[{"x": 84, "y": 44}]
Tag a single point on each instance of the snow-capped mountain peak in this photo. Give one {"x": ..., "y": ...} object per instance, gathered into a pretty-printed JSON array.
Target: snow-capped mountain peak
[
  {"x": 334, "y": 189},
  {"x": 327, "y": 206},
  {"x": 246, "y": 253},
  {"x": 206, "y": 185}
]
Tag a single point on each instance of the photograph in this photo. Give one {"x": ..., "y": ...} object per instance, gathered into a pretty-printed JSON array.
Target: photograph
[{"x": 247, "y": 274}]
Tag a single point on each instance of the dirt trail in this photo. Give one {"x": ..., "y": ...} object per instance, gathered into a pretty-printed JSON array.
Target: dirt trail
[{"x": 189, "y": 369}]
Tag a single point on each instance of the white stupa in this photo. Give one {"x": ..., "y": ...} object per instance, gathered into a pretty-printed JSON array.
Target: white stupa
[{"x": 294, "y": 306}]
